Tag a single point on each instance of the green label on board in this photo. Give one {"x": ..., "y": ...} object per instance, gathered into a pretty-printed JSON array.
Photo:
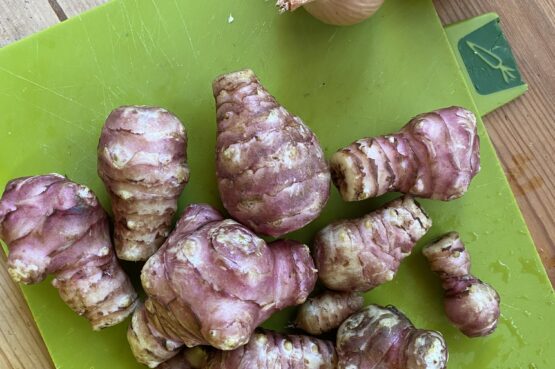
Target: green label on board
[{"x": 489, "y": 60}]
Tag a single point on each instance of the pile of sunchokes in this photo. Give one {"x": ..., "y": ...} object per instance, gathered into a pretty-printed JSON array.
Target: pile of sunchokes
[
  {"x": 360, "y": 254},
  {"x": 470, "y": 304},
  {"x": 54, "y": 226},
  {"x": 212, "y": 283},
  {"x": 327, "y": 311},
  {"x": 272, "y": 174},
  {"x": 382, "y": 337},
  {"x": 142, "y": 159},
  {"x": 435, "y": 156}
]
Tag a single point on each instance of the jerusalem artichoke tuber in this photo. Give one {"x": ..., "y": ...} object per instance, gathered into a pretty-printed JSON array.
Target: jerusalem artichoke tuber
[
  {"x": 272, "y": 174},
  {"x": 327, "y": 311},
  {"x": 335, "y": 12},
  {"x": 269, "y": 350},
  {"x": 378, "y": 337},
  {"x": 194, "y": 358},
  {"x": 470, "y": 304},
  {"x": 213, "y": 282},
  {"x": 142, "y": 159},
  {"x": 360, "y": 254},
  {"x": 435, "y": 156},
  {"x": 54, "y": 226}
]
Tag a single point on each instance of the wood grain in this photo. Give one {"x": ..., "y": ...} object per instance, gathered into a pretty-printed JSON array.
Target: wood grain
[{"x": 522, "y": 133}]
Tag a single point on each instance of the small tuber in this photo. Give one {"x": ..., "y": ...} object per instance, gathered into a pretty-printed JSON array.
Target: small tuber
[
  {"x": 54, "y": 226},
  {"x": 212, "y": 283},
  {"x": 383, "y": 338},
  {"x": 470, "y": 304},
  {"x": 360, "y": 254},
  {"x": 435, "y": 156},
  {"x": 335, "y": 12},
  {"x": 327, "y": 311},
  {"x": 269, "y": 350},
  {"x": 272, "y": 174},
  {"x": 142, "y": 159}
]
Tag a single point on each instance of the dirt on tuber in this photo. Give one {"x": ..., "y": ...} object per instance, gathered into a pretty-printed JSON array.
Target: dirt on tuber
[
  {"x": 142, "y": 159},
  {"x": 327, "y": 311},
  {"x": 269, "y": 350},
  {"x": 272, "y": 174},
  {"x": 54, "y": 226},
  {"x": 382, "y": 337},
  {"x": 470, "y": 304},
  {"x": 435, "y": 156},
  {"x": 212, "y": 283},
  {"x": 360, "y": 254}
]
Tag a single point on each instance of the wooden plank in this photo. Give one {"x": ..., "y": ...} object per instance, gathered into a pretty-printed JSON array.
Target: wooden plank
[
  {"x": 21, "y": 18},
  {"x": 522, "y": 131},
  {"x": 73, "y": 8}
]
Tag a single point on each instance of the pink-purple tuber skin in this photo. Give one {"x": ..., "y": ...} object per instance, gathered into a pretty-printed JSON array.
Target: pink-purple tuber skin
[
  {"x": 270, "y": 350},
  {"x": 272, "y": 174},
  {"x": 470, "y": 304},
  {"x": 54, "y": 226},
  {"x": 435, "y": 156},
  {"x": 212, "y": 283}
]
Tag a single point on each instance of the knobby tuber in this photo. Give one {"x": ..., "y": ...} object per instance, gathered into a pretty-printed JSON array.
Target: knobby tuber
[
  {"x": 470, "y": 304},
  {"x": 54, "y": 226},
  {"x": 383, "y": 338},
  {"x": 327, "y": 311},
  {"x": 142, "y": 159},
  {"x": 335, "y": 12},
  {"x": 272, "y": 174},
  {"x": 360, "y": 254},
  {"x": 269, "y": 350},
  {"x": 435, "y": 156},
  {"x": 212, "y": 283},
  {"x": 194, "y": 358}
]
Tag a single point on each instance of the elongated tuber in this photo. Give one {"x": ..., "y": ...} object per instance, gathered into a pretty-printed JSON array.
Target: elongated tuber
[
  {"x": 335, "y": 12},
  {"x": 269, "y": 350},
  {"x": 212, "y": 283},
  {"x": 383, "y": 338},
  {"x": 360, "y": 254},
  {"x": 327, "y": 311},
  {"x": 142, "y": 159},
  {"x": 470, "y": 304},
  {"x": 54, "y": 226},
  {"x": 435, "y": 156},
  {"x": 194, "y": 358},
  {"x": 272, "y": 174}
]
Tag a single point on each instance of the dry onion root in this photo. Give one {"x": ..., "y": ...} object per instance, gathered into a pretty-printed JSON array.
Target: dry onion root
[{"x": 335, "y": 12}]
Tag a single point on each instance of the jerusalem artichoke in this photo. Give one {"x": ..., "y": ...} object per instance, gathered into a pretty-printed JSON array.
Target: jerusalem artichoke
[
  {"x": 194, "y": 358},
  {"x": 54, "y": 226},
  {"x": 327, "y": 311},
  {"x": 272, "y": 174},
  {"x": 213, "y": 282},
  {"x": 435, "y": 156},
  {"x": 378, "y": 337},
  {"x": 470, "y": 304},
  {"x": 335, "y": 12},
  {"x": 269, "y": 350},
  {"x": 142, "y": 159},
  {"x": 360, "y": 254}
]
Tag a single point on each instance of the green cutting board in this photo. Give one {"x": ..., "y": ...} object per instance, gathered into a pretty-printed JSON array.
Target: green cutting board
[{"x": 57, "y": 87}]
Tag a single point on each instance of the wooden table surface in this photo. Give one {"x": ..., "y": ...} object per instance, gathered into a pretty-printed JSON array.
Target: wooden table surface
[{"x": 522, "y": 131}]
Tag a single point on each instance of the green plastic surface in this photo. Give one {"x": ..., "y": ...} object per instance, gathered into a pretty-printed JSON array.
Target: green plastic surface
[
  {"x": 57, "y": 87},
  {"x": 485, "y": 61}
]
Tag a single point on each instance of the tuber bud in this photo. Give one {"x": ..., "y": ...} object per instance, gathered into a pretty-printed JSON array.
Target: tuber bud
[
  {"x": 54, "y": 226},
  {"x": 327, "y": 311},
  {"x": 378, "y": 337},
  {"x": 435, "y": 156},
  {"x": 212, "y": 283},
  {"x": 272, "y": 174},
  {"x": 360, "y": 254},
  {"x": 335, "y": 12},
  {"x": 142, "y": 159},
  {"x": 269, "y": 350},
  {"x": 470, "y": 304}
]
